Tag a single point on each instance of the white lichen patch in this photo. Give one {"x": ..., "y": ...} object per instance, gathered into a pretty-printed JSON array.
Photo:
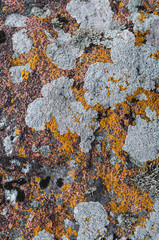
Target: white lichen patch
[
  {"x": 16, "y": 72},
  {"x": 92, "y": 13},
  {"x": 134, "y": 4},
  {"x": 109, "y": 84},
  {"x": 142, "y": 141},
  {"x": 61, "y": 52},
  {"x": 43, "y": 235},
  {"x": 60, "y": 102},
  {"x": 45, "y": 150},
  {"x": 21, "y": 42},
  {"x": 150, "y": 114},
  {"x": 11, "y": 195},
  {"x": 92, "y": 219},
  {"x": 15, "y": 20},
  {"x": 8, "y": 143},
  {"x": 153, "y": 36},
  {"x": 41, "y": 13}
]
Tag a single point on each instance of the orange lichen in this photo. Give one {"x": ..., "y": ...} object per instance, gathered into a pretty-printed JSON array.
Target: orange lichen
[
  {"x": 121, "y": 88},
  {"x": 69, "y": 232},
  {"x": 140, "y": 37},
  {"x": 76, "y": 118},
  {"x": 25, "y": 74},
  {"x": 156, "y": 13},
  {"x": 155, "y": 55},
  {"x": 22, "y": 152},
  {"x": 131, "y": 198},
  {"x": 142, "y": 17},
  {"x": 67, "y": 139},
  {"x": 116, "y": 133},
  {"x": 80, "y": 97},
  {"x": 36, "y": 230},
  {"x": 17, "y": 130}
]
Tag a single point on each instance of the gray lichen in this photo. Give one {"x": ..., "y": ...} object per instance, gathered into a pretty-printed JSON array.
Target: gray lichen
[
  {"x": 84, "y": 37},
  {"x": 43, "y": 235},
  {"x": 16, "y": 72},
  {"x": 127, "y": 221},
  {"x": 45, "y": 150},
  {"x": 40, "y": 13},
  {"x": 21, "y": 42},
  {"x": 92, "y": 13},
  {"x": 15, "y": 20},
  {"x": 8, "y": 143},
  {"x": 151, "y": 229},
  {"x": 133, "y": 4},
  {"x": 60, "y": 102},
  {"x": 148, "y": 180},
  {"x": 144, "y": 25},
  {"x": 142, "y": 141},
  {"x": 61, "y": 52},
  {"x": 109, "y": 84},
  {"x": 11, "y": 195},
  {"x": 91, "y": 216}
]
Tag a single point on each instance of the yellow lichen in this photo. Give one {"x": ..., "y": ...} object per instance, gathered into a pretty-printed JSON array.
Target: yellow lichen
[
  {"x": 142, "y": 17},
  {"x": 140, "y": 37},
  {"x": 67, "y": 139}
]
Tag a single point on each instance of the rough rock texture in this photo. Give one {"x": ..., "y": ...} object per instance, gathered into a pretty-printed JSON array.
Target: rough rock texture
[{"x": 79, "y": 129}]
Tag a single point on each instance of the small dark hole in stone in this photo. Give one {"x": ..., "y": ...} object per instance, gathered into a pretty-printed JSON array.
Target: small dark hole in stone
[
  {"x": 141, "y": 8},
  {"x": 11, "y": 138},
  {"x": 2, "y": 36},
  {"x": 59, "y": 182},
  {"x": 21, "y": 196},
  {"x": 21, "y": 181},
  {"x": 44, "y": 182},
  {"x": 115, "y": 237},
  {"x": 134, "y": 100},
  {"x": 8, "y": 186}
]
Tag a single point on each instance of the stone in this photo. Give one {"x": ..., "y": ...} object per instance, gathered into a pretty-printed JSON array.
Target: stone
[{"x": 2, "y": 36}]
